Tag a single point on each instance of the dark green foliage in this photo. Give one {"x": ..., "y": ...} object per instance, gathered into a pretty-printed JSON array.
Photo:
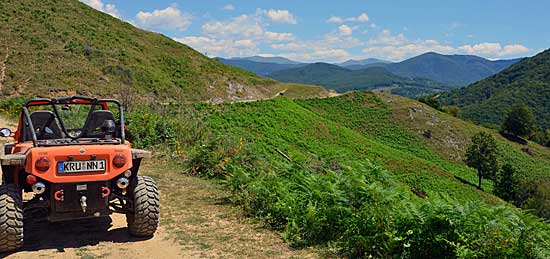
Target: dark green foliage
[
  {"x": 12, "y": 106},
  {"x": 533, "y": 194},
  {"x": 541, "y": 137},
  {"x": 431, "y": 101},
  {"x": 489, "y": 100},
  {"x": 342, "y": 79},
  {"x": 453, "y": 111},
  {"x": 506, "y": 185},
  {"x": 520, "y": 121},
  {"x": 482, "y": 155}
]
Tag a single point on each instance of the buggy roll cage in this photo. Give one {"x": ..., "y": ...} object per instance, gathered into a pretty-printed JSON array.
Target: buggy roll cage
[{"x": 69, "y": 100}]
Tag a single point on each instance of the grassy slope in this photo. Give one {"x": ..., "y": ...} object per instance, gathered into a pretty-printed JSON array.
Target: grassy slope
[
  {"x": 58, "y": 47},
  {"x": 384, "y": 128},
  {"x": 315, "y": 197},
  {"x": 319, "y": 132},
  {"x": 451, "y": 136}
]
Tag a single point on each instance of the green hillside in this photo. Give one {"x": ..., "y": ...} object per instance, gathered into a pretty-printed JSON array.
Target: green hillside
[
  {"x": 489, "y": 100},
  {"x": 343, "y": 79},
  {"x": 354, "y": 172},
  {"x": 53, "y": 47}
]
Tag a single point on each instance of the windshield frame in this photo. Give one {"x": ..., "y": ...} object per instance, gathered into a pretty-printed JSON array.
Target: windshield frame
[{"x": 54, "y": 102}]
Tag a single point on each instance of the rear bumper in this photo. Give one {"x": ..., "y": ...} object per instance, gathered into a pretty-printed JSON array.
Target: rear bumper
[{"x": 66, "y": 200}]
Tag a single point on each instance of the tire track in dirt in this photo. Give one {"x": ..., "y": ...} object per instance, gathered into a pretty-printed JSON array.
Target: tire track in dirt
[{"x": 97, "y": 238}]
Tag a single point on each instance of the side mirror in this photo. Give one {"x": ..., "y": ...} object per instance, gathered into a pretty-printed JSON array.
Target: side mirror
[{"x": 4, "y": 132}]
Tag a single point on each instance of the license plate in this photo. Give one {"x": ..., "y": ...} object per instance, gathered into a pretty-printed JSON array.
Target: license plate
[{"x": 91, "y": 166}]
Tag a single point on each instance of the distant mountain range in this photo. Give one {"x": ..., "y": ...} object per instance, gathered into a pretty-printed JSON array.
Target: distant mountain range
[
  {"x": 427, "y": 73},
  {"x": 343, "y": 79},
  {"x": 489, "y": 100},
  {"x": 456, "y": 70}
]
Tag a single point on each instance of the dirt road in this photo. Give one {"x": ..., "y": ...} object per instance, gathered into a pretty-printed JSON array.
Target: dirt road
[
  {"x": 103, "y": 238},
  {"x": 196, "y": 222}
]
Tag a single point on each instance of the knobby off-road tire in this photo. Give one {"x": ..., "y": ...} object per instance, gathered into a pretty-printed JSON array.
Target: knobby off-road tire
[
  {"x": 11, "y": 218},
  {"x": 143, "y": 222}
]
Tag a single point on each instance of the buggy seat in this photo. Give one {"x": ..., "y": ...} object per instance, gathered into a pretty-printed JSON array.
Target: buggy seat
[
  {"x": 92, "y": 127},
  {"x": 45, "y": 126}
]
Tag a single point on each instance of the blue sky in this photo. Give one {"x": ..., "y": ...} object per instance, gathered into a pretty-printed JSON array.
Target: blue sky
[{"x": 334, "y": 31}]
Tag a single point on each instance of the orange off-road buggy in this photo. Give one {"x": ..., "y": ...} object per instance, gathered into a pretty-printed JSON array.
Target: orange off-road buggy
[{"x": 71, "y": 156}]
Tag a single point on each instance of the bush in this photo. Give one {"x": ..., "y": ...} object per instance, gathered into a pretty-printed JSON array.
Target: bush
[
  {"x": 432, "y": 102},
  {"x": 520, "y": 121},
  {"x": 506, "y": 184},
  {"x": 361, "y": 211},
  {"x": 12, "y": 106}
]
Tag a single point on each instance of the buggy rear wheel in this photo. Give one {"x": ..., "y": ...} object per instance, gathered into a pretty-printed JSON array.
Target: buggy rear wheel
[
  {"x": 11, "y": 217},
  {"x": 144, "y": 220}
]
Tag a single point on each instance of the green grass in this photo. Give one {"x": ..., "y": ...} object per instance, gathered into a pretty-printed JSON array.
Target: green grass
[{"x": 308, "y": 134}]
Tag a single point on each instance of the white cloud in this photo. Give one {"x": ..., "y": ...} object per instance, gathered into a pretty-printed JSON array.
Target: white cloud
[
  {"x": 229, "y": 7},
  {"x": 100, "y": 6},
  {"x": 345, "y": 30},
  {"x": 386, "y": 38},
  {"x": 364, "y": 17},
  {"x": 239, "y": 36},
  {"x": 515, "y": 49},
  {"x": 331, "y": 47},
  {"x": 398, "y": 47},
  {"x": 335, "y": 19},
  {"x": 170, "y": 18},
  {"x": 481, "y": 49},
  {"x": 277, "y": 36},
  {"x": 278, "y": 16},
  {"x": 243, "y": 26},
  {"x": 494, "y": 50},
  {"x": 216, "y": 47}
]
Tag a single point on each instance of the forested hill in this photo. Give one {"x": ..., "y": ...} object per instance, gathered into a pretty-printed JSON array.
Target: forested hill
[
  {"x": 488, "y": 101},
  {"x": 64, "y": 47}
]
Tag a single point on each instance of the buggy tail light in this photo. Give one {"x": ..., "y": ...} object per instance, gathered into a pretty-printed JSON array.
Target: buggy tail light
[
  {"x": 42, "y": 164},
  {"x": 119, "y": 161},
  {"x": 31, "y": 179}
]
